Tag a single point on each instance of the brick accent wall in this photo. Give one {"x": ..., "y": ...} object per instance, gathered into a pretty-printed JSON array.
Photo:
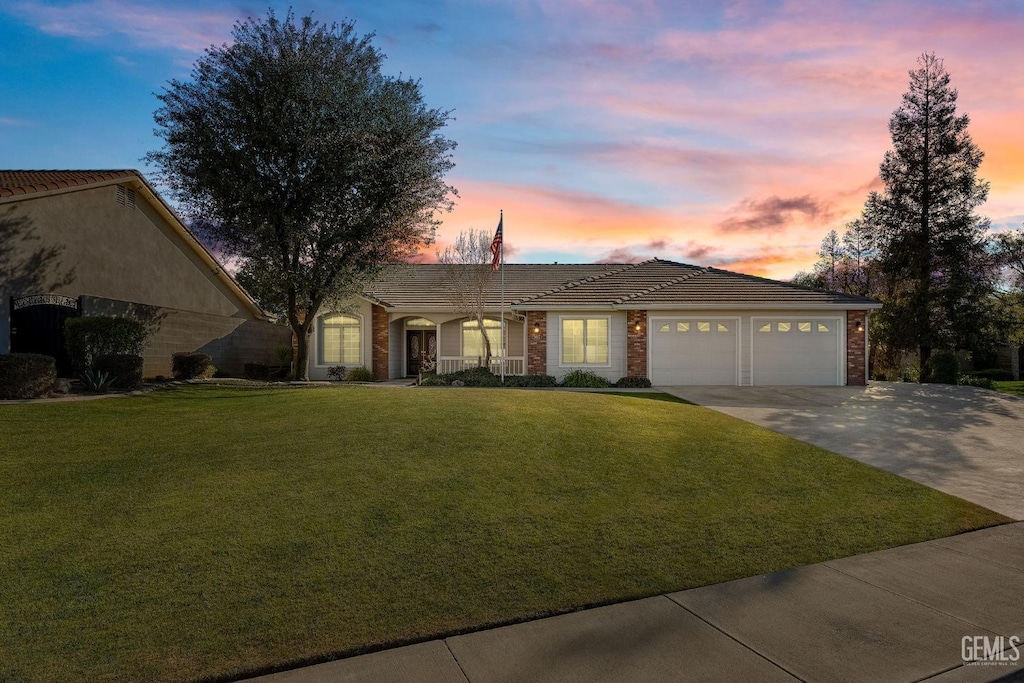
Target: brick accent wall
[
  {"x": 380, "y": 343},
  {"x": 536, "y": 342},
  {"x": 855, "y": 348},
  {"x": 636, "y": 343}
]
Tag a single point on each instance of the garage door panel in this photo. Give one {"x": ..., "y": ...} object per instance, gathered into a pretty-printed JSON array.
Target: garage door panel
[
  {"x": 694, "y": 351},
  {"x": 796, "y": 351}
]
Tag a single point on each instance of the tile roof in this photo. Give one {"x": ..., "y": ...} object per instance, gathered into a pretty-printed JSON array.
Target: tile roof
[
  {"x": 423, "y": 284},
  {"x": 31, "y": 182},
  {"x": 650, "y": 283}
]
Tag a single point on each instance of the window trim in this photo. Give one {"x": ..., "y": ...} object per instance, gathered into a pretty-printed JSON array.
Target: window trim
[
  {"x": 561, "y": 344},
  {"x": 317, "y": 360}
]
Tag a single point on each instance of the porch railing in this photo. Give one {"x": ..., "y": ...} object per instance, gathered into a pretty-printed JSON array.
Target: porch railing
[{"x": 514, "y": 365}]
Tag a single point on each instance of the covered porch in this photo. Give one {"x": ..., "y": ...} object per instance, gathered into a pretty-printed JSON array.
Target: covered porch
[{"x": 446, "y": 342}]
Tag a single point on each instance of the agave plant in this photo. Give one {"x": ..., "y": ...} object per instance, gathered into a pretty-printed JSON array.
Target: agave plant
[{"x": 96, "y": 381}]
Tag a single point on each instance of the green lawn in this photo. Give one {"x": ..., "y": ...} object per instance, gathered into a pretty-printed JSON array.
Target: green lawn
[
  {"x": 207, "y": 532},
  {"x": 1016, "y": 388}
]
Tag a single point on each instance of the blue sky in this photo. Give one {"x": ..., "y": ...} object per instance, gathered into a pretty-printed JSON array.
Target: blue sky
[{"x": 720, "y": 133}]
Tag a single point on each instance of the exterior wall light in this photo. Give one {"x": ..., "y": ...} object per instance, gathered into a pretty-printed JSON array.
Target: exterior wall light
[
  {"x": 860, "y": 326},
  {"x": 637, "y": 327},
  {"x": 536, "y": 329}
]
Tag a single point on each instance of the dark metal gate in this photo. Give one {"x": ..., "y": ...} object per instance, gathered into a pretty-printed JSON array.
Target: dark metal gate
[{"x": 37, "y": 326}]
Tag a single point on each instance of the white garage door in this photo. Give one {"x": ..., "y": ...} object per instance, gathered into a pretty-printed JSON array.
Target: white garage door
[
  {"x": 694, "y": 351},
  {"x": 798, "y": 350}
]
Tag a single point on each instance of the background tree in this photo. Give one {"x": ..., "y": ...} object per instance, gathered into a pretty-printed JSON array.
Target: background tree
[
  {"x": 468, "y": 279},
  {"x": 930, "y": 240},
  {"x": 298, "y": 158},
  {"x": 1008, "y": 251}
]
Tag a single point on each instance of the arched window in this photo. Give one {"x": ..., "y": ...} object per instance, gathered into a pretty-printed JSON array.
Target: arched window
[{"x": 340, "y": 340}]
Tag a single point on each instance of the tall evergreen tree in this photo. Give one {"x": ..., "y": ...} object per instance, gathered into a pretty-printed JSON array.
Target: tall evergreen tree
[{"x": 930, "y": 238}]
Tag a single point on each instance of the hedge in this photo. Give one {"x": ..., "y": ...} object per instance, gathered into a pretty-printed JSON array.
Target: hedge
[
  {"x": 92, "y": 337},
  {"x": 124, "y": 369},
  {"x": 190, "y": 365},
  {"x": 26, "y": 375}
]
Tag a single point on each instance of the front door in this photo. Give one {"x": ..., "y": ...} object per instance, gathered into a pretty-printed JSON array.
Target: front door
[{"x": 420, "y": 345}]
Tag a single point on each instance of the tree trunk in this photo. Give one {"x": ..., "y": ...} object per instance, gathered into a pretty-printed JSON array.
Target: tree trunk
[
  {"x": 925, "y": 359},
  {"x": 302, "y": 335},
  {"x": 487, "y": 341}
]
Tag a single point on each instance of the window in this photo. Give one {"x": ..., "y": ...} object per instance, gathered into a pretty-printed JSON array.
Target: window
[
  {"x": 767, "y": 327},
  {"x": 723, "y": 328},
  {"x": 803, "y": 327},
  {"x": 473, "y": 340},
  {"x": 822, "y": 328},
  {"x": 664, "y": 328},
  {"x": 703, "y": 327},
  {"x": 784, "y": 327},
  {"x": 420, "y": 322},
  {"x": 340, "y": 340},
  {"x": 682, "y": 327},
  {"x": 585, "y": 341}
]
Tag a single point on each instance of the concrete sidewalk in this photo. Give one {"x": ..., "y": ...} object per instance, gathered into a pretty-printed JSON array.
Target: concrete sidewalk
[{"x": 897, "y": 615}]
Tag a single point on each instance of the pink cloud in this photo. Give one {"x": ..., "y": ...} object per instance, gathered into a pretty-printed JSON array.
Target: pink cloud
[{"x": 140, "y": 24}]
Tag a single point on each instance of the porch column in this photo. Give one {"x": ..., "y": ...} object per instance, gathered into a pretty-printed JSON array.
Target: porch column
[
  {"x": 379, "y": 323},
  {"x": 536, "y": 342},
  {"x": 856, "y": 368},
  {"x": 636, "y": 343}
]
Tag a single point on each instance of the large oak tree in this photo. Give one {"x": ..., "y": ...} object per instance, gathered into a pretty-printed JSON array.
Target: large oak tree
[{"x": 298, "y": 158}]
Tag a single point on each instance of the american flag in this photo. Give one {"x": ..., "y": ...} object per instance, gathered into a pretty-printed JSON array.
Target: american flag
[{"x": 496, "y": 245}]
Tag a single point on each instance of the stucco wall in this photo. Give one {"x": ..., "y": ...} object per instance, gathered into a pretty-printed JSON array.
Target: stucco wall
[
  {"x": 230, "y": 341},
  {"x": 108, "y": 250},
  {"x": 616, "y": 367},
  {"x": 360, "y": 308}
]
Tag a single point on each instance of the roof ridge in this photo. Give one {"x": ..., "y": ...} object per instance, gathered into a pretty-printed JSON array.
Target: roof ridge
[
  {"x": 578, "y": 283},
  {"x": 790, "y": 285},
  {"x": 661, "y": 285}
]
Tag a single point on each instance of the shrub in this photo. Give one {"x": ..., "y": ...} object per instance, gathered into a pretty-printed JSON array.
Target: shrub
[
  {"x": 190, "y": 365},
  {"x": 633, "y": 382},
  {"x": 994, "y": 374},
  {"x": 360, "y": 374},
  {"x": 530, "y": 381},
  {"x": 945, "y": 368},
  {"x": 256, "y": 371},
  {"x": 125, "y": 370},
  {"x": 92, "y": 337},
  {"x": 26, "y": 375},
  {"x": 975, "y": 381},
  {"x": 584, "y": 379},
  {"x": 97, "y": 381},
  {"x": 473, "y": 377},
  {"x": 433, "y": 381},
  {"x": 283, "y": 353},
  {"x": 337, "y": 373}
]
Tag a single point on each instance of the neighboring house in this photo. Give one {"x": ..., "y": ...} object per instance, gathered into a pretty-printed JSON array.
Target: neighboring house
[
  {"x": 104, "y": 242},
  {"x": 676, "y": 324}
]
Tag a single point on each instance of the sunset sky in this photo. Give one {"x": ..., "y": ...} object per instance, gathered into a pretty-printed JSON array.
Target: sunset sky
[{"x": 733, "y": 134}]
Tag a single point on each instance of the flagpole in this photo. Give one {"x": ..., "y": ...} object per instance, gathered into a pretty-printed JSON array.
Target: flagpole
[{"x": 501, "y": 222}]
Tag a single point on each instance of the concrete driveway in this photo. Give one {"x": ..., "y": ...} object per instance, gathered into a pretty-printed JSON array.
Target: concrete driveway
[{"x": 964, "y": 441}]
